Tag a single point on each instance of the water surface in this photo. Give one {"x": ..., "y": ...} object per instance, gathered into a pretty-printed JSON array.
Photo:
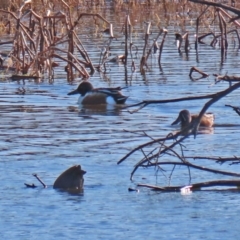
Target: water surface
[{"x": 44, "y": 131}]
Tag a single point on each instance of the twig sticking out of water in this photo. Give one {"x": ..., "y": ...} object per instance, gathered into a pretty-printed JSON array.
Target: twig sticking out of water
[
  {"x": 224, "y": 44},
  {"x": 161, "y": 46},
  {"x": 36, "y": 176},
  {"x": 143, "y": 59},
  {"x": 197, "y": 26}
]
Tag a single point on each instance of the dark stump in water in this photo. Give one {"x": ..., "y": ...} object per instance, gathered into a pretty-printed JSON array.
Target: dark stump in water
[{"x": 71, "y": 179}]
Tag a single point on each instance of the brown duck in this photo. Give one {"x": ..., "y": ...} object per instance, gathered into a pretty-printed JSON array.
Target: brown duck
[{"x": 185, "y": 118}]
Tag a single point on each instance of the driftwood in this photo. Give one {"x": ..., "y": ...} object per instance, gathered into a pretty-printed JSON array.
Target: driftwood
[
  {"x": 195, "y": 186},
  {"x": 226, "y": 78}
]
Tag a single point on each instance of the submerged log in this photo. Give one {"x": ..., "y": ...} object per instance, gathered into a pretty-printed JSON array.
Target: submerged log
[{"x": 71, "y": 179}]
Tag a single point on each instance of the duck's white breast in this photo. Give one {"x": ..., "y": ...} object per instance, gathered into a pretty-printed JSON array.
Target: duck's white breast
[
  {"x": 110, "y": 100},
  {"x": 80, "y": 99},
  {"x": 93, "y": 95}
]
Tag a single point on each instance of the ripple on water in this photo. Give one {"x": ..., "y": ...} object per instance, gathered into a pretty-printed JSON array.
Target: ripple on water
[{"x": 43, "y": 131}]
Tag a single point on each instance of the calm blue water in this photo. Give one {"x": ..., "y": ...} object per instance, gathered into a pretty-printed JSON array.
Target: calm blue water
[{"x": 43, "y": 131}]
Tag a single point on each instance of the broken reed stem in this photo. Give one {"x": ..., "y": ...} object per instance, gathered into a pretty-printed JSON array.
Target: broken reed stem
[
  {"x": 84, "y": 53},
  {"x": 70, "y": 76},
  {"x": 238, "y": 37},
  {"x": 186, "y": 47},
  {"x": 126, "y": 38},
  {"x": 143, "y": 59},
  {"x": 154, "y": 42},
  {"x": 161, "y": 46},
  {"x": 197, "y": 26},
  {"x": 194, "y": 69},
  {"x": 130, "y": 29},
  {"x": 222, "y": 34},
  {"x": 225, "y": 42}
]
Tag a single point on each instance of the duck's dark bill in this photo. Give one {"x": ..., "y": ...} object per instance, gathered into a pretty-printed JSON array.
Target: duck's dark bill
[
  {"x": 73, "y": 92},
  {"x": 176, "y": 121}
]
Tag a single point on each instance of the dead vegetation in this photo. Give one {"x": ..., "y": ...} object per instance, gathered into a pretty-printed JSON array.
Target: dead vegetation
[
  {"x": 37, "y": 38},
  {"x": 156, "y": 158},
  {"x": 36, "y": 43}
]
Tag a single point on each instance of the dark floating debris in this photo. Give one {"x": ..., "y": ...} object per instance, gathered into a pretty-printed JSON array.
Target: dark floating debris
[
  {"x": 133, "y": 190},
  {"x": 70, "y": 180},
  {"x": 30, "y": 185}
]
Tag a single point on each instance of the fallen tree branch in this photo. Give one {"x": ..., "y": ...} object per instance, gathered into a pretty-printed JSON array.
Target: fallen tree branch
[
  {"x": 188, "y": 164},
  {"x": 195, "y": 186},
  {"x": 236, "y": 109},
  {"x": 217, "y": 95}
]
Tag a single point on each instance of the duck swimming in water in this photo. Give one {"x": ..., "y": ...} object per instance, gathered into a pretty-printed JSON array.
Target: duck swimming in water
[
  {"x": 93, "y": 96},
  {"x": 185, "y": 118}
]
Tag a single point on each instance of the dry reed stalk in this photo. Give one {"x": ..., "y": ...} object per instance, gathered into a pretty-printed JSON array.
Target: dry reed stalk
[
  {"x": 154, "y": 44},
  {"x": 130, "y": 29},
  {"x": 187, "y": 45},
  {"x": 222, "y": 30},
  {"x": 197, "y": 27},
  {"x": 143, "y": 59},
  {"x": 161, "y": 46},
  {"x": 126, "y": 38},
  {"x": 225, "y": 42},
  {"x": 238, "y": 37}
]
